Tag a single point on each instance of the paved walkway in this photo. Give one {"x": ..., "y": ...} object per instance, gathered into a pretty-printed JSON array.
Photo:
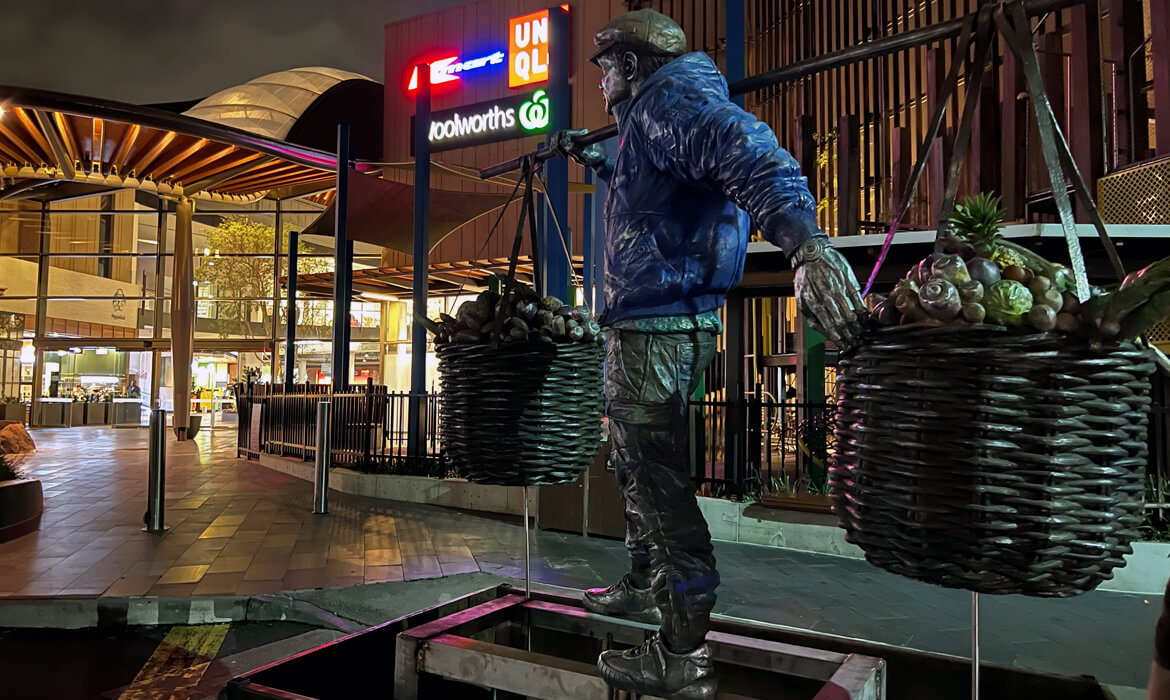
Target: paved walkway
[{"x": 238, "y": 528}]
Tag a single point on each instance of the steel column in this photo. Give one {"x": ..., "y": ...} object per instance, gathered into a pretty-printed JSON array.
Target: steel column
[
  {"x": 290, "y": 314},
  {"x": 1086, "y": 133},
  {"x": 182, "y": 316},
  {"x": 44, "y": 246},
  {"x": 415, "y": 444},
  {"x": 736, "y": 45},
  {"x": 734, "y": 458},
  {"x": 275, "y": 332},
  {"x": 342, "y": 264},
  {"x": 160, "y": 291},
  {"x": 558, "y": 267},
  {"x": 1126, "y": 39}
]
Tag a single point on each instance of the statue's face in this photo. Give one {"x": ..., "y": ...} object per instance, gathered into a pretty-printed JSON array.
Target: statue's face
[{"x": 617, "y": 82}]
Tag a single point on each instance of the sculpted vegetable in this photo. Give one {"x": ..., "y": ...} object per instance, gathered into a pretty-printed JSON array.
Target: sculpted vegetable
[{"x": 1007, "y": 301}]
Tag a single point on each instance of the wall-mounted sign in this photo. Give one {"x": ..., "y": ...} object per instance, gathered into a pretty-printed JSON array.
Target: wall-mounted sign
[
  {"x": 512, "y": 117},
  {"x": 446, "y": 70},
  {"x": 528, "y": 49}
]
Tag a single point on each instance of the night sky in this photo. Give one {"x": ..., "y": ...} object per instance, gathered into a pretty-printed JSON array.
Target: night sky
[{"x": 152, "y": 51}]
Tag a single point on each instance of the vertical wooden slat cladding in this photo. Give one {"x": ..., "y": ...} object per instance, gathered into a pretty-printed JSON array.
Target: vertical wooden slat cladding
[{"x": 887, "y": 95}]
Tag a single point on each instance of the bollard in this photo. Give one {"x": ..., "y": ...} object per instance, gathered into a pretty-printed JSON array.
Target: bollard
[
  {"x": 156, "y": 472},
  {"x": 321, "y": 467}
]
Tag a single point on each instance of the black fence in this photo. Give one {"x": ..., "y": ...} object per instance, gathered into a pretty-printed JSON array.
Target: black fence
[{"x": 369, "y": 427}]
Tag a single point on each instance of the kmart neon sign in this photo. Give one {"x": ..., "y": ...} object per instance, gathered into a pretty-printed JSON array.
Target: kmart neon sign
[{"x": 446, "y": 70}]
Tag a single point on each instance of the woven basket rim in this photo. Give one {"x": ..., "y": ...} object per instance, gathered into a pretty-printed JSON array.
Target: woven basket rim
[{"x": 931, "y": 331}]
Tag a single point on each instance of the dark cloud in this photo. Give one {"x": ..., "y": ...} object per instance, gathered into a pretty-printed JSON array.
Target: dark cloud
[{"x": 148, "y": 51}]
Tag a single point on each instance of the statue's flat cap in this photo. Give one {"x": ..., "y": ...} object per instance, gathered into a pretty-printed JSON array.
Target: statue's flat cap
[{"x": 646, "y": 28}]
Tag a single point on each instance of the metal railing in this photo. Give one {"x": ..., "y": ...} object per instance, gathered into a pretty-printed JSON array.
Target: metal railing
[
  {"x": 368, "y": 427},
  {"x": 783, "y": 446}
]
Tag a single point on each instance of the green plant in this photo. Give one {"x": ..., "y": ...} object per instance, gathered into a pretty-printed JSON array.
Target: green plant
[{"x": 7, "y": 468}]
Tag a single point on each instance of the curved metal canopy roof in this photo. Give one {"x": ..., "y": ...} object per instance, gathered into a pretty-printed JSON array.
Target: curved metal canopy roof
[{"x": 271, "y": 104}]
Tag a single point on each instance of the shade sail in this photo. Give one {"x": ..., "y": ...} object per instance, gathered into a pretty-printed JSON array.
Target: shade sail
[{"x": 381, "y": 213}]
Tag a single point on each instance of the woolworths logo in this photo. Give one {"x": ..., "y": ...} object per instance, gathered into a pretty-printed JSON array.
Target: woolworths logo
[
  {"x": 534, "y": 113},
  {"x": 485, "y": 122}
]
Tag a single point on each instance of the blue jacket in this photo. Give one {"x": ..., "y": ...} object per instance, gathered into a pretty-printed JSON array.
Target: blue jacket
[{"x": 675, "y": 240}]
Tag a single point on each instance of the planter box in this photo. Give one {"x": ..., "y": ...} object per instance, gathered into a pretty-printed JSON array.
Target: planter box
[
  {"x": 13, "y": 411},
  {"x": 125, "y": 413},
  {"x": 21, "y": 505},
  {"x": 804, "y": 502},
  {"x": 52, "y": 414},
  {"x": 97, "y": 413},
  {"x": 76, "y": 413}
]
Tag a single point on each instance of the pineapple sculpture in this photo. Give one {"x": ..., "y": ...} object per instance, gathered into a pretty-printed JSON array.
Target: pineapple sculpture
[{"x": 977, "y": 223}]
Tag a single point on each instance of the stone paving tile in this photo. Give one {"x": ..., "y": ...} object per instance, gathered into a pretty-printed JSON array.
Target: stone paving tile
[
  {"x": 131, "y": 586},
  {"x": 219, "y": 584},
  {"x": 183, "y": 574}
]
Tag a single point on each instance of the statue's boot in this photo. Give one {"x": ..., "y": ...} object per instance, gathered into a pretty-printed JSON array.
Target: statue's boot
[
  {"x": 623, "y": 599},
  {"x": 653, "y": 669}
]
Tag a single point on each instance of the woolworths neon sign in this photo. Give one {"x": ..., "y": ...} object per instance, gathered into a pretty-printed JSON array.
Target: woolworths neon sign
[{"x": 487, "y": 122}]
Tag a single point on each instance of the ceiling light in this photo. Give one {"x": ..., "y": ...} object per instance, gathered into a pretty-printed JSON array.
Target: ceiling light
[{"x": 379, "y": 297}]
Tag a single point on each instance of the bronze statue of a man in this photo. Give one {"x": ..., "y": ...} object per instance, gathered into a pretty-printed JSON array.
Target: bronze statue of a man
[{"x": 689, "y": 165}]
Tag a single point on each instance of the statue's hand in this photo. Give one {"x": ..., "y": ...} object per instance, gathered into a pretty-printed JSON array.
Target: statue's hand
[
  {"x": 590, "y": 156},
  {"x": 828, "y": 293}
]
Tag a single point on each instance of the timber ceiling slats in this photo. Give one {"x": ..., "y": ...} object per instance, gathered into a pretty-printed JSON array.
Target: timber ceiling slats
[
  {"x": 33, "y": 131},
  {"x": 118, "y": 159},
  {"x": 140, "y": 164},
  {"x": 192, "y": 157},
  {"x": 183, "y": 154},
  {"x": 25, "y": 149},
  {"x": 219, "y": 156}
]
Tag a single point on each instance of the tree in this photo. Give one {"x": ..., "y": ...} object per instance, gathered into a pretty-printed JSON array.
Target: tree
[{"x": 237, "y": 268}]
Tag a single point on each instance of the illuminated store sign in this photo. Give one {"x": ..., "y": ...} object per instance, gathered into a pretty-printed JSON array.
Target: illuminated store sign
[
  {"x": 528, "y": 56},
  {"x": 448, "y": 69},
  {"x": 528, "y": 49},
  {"x": 487, "y": 122}
]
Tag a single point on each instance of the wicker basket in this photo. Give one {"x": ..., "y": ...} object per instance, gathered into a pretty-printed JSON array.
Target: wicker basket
[
  {"x": 992, "y": 461},
  {"x": 522, "y": 414}
]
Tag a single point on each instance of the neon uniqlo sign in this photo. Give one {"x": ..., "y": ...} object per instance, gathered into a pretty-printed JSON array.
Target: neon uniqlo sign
[{"x": 528, "y": 49}]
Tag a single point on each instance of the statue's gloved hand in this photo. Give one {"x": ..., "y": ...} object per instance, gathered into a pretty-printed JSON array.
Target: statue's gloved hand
[
  {"x": 828, "y": 293},
  {"x": 590, "y": 156}
]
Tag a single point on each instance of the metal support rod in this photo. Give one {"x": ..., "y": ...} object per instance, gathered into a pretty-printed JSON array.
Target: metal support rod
[
  {"x": 837, "y": 59},
  {"x": 321, "y": 464},
  {"x": 527, "y": 550},
  {"x": 342, "y": 262},
  {"x": 415, "y": 444},
  {"x": 974, "y": 646},
  {"x": 290, "y": 315},
  {"x": 156, "y": 475},
  {"x": 585, "y": 504}
]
